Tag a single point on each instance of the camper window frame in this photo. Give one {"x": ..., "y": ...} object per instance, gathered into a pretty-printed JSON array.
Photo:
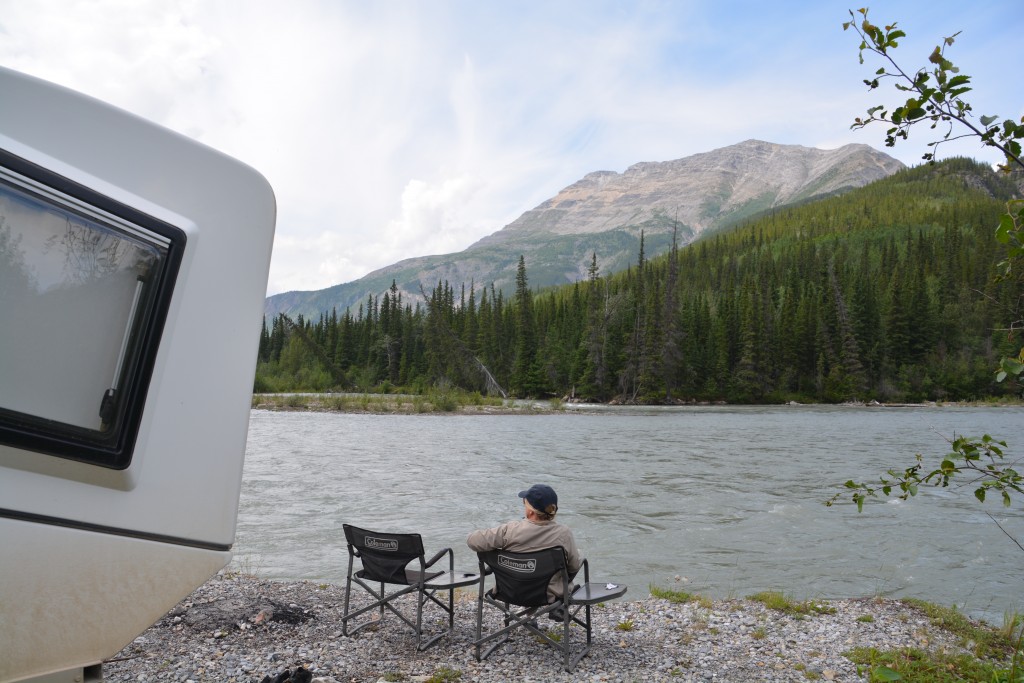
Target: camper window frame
[{"x": 112, "y": 447}]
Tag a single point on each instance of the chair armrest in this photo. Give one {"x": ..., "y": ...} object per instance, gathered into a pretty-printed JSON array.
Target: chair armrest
[
  {"x": 586, "y": 572},
  {"x": 441, "y": 553}
]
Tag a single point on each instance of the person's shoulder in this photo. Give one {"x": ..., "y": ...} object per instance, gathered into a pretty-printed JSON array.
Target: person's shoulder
[{"x": 563, "y": 528}]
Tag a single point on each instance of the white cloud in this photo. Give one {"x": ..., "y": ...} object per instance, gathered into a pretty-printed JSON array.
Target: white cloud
[
  {"x": 431, "y": 215},
  {"x": 397, "y": 129}
]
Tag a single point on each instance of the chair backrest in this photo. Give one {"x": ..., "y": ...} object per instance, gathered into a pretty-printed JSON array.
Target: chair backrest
[
  {"x": 522, "y": 578},
  {"x": 384, "y": 555}
]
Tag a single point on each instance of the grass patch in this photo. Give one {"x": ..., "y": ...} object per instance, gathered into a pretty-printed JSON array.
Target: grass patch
[
  {"x": 997, "y": 654},
  {"x": 913, "y": 664},
  {"x": 981, "y": 639},
  {"x": 626, "y": 625},
  {"x": 779, "y": 602},
  {"x": 812, "y": 675},
  {"x": 444, "y": 675},
  {"x": 865, "y": 618},
  {"x": 672, "y": 595}
]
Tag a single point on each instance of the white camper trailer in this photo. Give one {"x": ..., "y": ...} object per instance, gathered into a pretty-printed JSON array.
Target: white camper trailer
[{"x": 133, "y": 270}]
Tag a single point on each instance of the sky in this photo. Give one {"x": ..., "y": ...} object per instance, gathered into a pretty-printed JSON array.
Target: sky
[{"x": 392, "y": 129}]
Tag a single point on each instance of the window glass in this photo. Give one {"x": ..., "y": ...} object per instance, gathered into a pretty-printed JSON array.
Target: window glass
[{"x": 77, "y": 288}]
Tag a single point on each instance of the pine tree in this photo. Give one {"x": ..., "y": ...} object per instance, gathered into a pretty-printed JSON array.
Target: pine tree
[{"x": 525, "y": 380}]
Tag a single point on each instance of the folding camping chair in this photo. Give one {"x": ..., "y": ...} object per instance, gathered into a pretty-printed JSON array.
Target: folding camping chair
[
  {"x": 520, "y": 594},
  {"x": 385, "y": 558}
]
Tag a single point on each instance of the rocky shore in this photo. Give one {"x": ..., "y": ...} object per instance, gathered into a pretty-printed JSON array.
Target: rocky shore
[{"x": 239, "y": 628}]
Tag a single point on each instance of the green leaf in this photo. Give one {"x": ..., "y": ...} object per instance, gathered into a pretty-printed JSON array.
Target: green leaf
[
  {"x": 884, "y": 673},
  {"x": 1011, "y": 366},
  {"x": 1006, "y": 228},
  {"x": 980, "y": 494},
  {"x": 1006, "y": 499}
]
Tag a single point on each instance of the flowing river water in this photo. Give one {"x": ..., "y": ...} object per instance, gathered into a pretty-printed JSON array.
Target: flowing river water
[{"x": 721, "y": 501}]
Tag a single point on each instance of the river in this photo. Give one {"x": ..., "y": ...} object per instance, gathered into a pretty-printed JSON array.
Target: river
[{"x": 721, "y": 501}]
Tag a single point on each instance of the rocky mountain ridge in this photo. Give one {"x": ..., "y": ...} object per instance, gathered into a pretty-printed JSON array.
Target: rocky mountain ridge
[{"x": 604, "y": 213}]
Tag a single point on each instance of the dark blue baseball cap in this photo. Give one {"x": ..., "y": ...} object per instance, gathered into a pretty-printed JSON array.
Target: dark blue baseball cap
[{"x": 540, "y": 497}]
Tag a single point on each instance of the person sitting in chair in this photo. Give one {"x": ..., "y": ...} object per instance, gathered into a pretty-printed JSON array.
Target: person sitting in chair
[{"x": 538, "y": 530}]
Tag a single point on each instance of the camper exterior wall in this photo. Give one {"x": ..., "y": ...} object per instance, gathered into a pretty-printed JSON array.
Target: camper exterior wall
[{"x": 92, "y": 555}]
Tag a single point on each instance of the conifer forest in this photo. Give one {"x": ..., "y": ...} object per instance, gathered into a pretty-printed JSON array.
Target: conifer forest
[{"x": 887, "y": 293}]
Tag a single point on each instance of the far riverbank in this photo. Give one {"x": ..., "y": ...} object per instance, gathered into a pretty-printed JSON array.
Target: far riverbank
[{"x": 452, "y": 402}]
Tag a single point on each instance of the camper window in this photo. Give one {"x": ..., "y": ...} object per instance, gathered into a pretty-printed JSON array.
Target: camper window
[{"x": 83, "y": 291}]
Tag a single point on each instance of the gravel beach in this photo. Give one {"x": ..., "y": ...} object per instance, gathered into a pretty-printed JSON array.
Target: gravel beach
[{"x": 246, "y": 629}]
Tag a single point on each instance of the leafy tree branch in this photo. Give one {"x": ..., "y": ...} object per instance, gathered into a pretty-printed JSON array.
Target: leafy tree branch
[
  {"x": 983, "y": 458},
  {"x": 935, "y": 95}
]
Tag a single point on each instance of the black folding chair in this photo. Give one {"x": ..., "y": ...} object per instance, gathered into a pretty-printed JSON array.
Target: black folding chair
[
  {"x": 520, "y": 594},
  {"x": 385, "y": 558}
]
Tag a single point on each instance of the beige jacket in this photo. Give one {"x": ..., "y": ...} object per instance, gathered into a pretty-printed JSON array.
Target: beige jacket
[{"x": 526, "y": 536}]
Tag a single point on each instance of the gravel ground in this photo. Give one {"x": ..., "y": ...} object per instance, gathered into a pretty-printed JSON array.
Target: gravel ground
[{"x": 245, "y": 629}]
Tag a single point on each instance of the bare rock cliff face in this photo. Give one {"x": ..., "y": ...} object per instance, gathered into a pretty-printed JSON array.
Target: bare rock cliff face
[{"x": 701, "y": 191}]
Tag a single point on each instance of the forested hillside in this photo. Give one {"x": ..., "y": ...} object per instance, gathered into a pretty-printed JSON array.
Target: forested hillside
[{"x": 885, "y": 293}]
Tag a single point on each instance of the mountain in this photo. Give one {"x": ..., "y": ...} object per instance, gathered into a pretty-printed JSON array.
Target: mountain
[{"x": 604, "y": 213}]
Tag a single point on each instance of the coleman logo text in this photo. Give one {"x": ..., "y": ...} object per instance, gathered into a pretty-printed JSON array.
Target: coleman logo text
[
  {"x": 525, "y": 566},
  {"x": 388, "y": 544}
]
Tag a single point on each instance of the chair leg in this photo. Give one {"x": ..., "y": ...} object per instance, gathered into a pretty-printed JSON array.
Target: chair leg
[
  {"x": 419, "y": 620},
  {"x": 479, "y": 616},
  {"x": 344, "y": 614},
  {"x": 382, "y": 601},
  {"x": 590, "y": 631},
  {"x": 569, "y": 663},
  {"x": 573, "y": 658},
  {"x": 424, "y": 597},
  {"x": 451, "y": 610}
]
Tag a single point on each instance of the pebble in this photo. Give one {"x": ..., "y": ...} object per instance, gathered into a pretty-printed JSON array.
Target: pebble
[{"x": 242, "y": 629}]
